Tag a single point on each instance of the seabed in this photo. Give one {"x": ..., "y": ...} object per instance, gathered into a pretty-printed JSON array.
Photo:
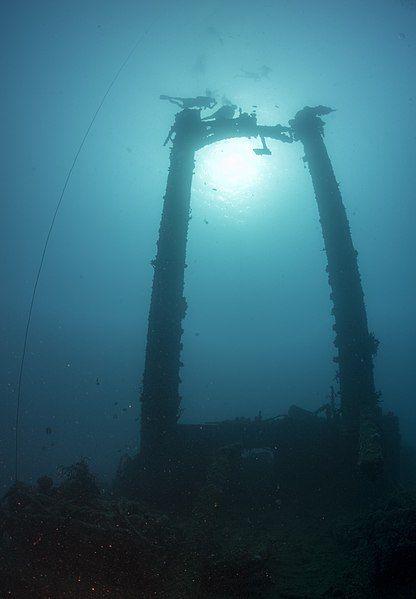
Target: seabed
[{"x": 249, "y": 509}]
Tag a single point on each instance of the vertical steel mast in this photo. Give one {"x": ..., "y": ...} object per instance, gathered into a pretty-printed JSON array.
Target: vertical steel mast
[
  {"x": 160, "y": 395},
  {"x": 356, "y": 346}
]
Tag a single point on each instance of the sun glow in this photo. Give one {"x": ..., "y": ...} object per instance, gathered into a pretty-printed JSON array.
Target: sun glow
[
  {"x": 231, "y": 170},
  {"x": 237, "y": 182}
]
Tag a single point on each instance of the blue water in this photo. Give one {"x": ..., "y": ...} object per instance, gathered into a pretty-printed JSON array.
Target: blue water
[{"x": 258, "y": 334}]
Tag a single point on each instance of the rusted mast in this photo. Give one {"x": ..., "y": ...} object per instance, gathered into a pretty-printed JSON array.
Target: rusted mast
[
  {"x": 160, "y": 393},
  {"x": 356, "y": 346}
]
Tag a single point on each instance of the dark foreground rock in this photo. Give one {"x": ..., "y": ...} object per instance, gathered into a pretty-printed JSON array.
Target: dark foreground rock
[
  {"x": 70, "y": 541},
  {"x": 55, "y": 546}
]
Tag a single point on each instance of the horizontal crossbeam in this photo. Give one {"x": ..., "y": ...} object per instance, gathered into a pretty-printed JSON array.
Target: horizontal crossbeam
[{"x": 244, "y": 125}]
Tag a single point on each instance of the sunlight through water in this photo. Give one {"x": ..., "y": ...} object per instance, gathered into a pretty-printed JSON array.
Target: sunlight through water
[
  {"x": 231, "y": 170},
  {"x": 230, "y": 175}
]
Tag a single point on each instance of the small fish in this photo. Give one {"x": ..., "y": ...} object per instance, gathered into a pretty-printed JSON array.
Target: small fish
[
  {"x": 205, "y": 221},
  {"x": 116, "y": 403},
  {"x": 214, "y": 189},
  {"x": 115, "y": 416},
  {"x": 48, "y": 430},
  {"x": 97, "y": 381}
]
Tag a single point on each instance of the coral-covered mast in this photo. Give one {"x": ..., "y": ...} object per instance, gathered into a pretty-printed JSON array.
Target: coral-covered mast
[
  {"x": 160, "y": 395},
  {"x": 356, "y": 346}
]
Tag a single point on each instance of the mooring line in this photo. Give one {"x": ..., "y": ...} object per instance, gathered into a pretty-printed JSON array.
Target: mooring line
[{"x": 45, "y": 246}]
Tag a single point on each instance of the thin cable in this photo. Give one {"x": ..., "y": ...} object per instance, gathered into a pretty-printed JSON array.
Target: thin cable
[{"x": 45, "y": 247}]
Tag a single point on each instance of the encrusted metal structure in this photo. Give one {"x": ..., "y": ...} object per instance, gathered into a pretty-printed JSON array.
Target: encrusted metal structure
[
  {"x": 356, "y": 345},
  {"x": 160, "y": 395}
]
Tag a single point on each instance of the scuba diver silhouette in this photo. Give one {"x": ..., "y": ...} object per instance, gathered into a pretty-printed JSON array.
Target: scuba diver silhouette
[
  {"x": 198, "y": 102},
  {"x": 225, "y": 112}
]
